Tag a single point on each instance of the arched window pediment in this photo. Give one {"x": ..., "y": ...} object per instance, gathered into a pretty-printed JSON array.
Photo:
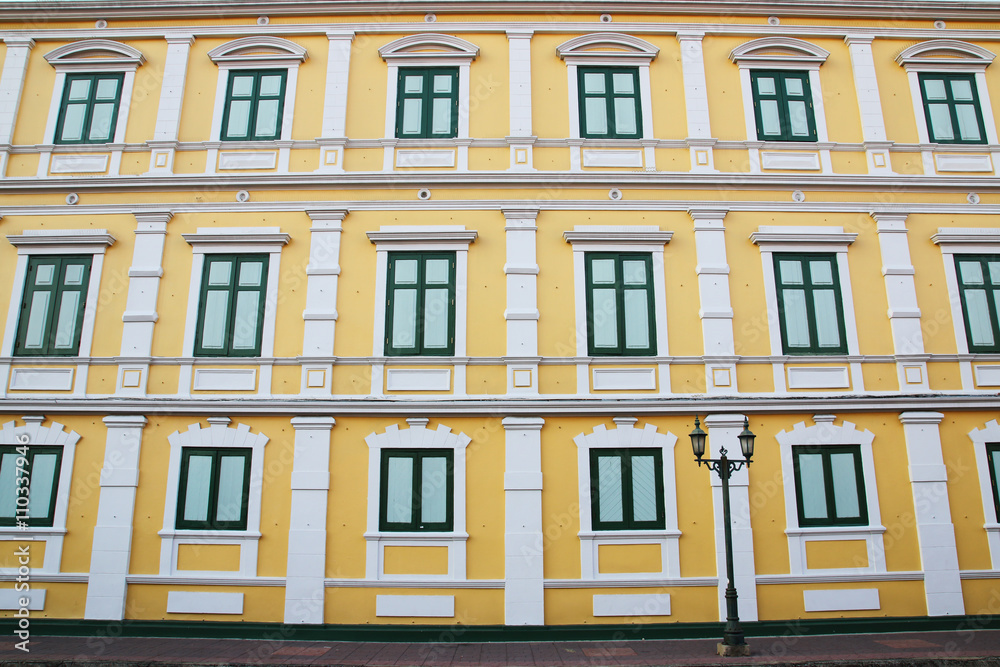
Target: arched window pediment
[
  {"x": 772, "y": 51},
  {"x": 432, "y": 46},
  {"x": 95, "y": 53},
  {"x": 941, "y": 54},
  {"x": 256, "y": 49},
  {"x": 612, "y": 46}
]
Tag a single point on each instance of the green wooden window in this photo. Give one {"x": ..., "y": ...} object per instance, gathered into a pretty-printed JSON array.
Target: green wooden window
[
  {"x": 51, "y": 319},
  {"x": 214, "y": 487},
  {"x": 829, "y": 486},
  {"x": 417, "y": 491},
  {"x": 31, "y": 473},
  {"x": 231, "y": 313},
  {"x": 255, "y": 103},
  {"x": 620, "y": 307},
  {"x": 782, "y": 106},
  {"x": 993, "y": 457},
  {"x": 951, "y": 106},
  {"x": 89, "y": 110},
  {"x": 810, "y": 308},
  {"x": 420, "y": 304},
  {"x": 609, "y": 102},
  {"x": 427, "y": 103},
  {"x": 626, "y": 489},
  {"x": 979, "y": 285}
]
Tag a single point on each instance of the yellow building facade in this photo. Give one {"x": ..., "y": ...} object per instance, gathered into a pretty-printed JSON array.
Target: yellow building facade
[{"x": 401, "y": 315}]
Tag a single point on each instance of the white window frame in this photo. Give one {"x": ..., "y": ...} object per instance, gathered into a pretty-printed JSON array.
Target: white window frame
[
  {"x": 823, "y": 433},
  {"x": 609, "y": 49},
  {"x": 233, "y": 240},
  {"x": 795, "y": 239},
  {"x": 619, "y": 238},
  {"x": 427, "y": 50},
  {"x": 260, "y": 52},
  {"x": 440, "y": 238},
  {"x": 989, "y": 433},
  {"x": 627, "y": 435},
  {"x": 965, "y": 241},
  {"x": 950, "y": 55},
  {"x": 417, "y": 436},
  {"x": 218, "y": 435},
  {"x": 783, "y": 53},
  {"x": 55, "y": 242},
  {"x": 52, "y": 536},
  {"x": 90, "y": 56}
]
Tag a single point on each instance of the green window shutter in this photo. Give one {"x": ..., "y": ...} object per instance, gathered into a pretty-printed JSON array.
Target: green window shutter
[
  {"x": 417, "y": 490},
  {"x": 255, "y": 103},
  {"x": 952, "y": 109},
  {"x": 979, "y": 287},
  {"x": 88, "y": 113},
  {"x": 29, "y": 483},
  {"x": 420, "y": 304},
  {"x": 610, "y": 104},
  {"x": 626, "y": 489},
  {"x": 231, "y": 309},
  {"x": 621, "y": 317},
  {"x": 993, "y": 457},
  {"x": 829, "y": 486},
  {"x": 52, "y": 308},
  {"x": 427, "y": 103},
  {"x": 810, "y": 307},
  {"x": 214, "y": 489},
  {"x": 783, "y": 106}
]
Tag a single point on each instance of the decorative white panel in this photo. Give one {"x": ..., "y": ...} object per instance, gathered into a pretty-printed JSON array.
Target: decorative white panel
[
  {"x": 248, "y": 160},
  {"x": 225, "y": 379},
  {"x": 79, "y": 164},
  {"x": 11, "y": 599},
  {"x": 184, "y": 602},
  {"x": 824, "y": 377},
  {"x": 632, "y": 605},
  {"x": 418, "y": 379},
  {"x": 987, "y": 376},
  {"x": 841, "y": 600},
  {"x": 419, "y": 158},
  {"x": 624, "y": 378},
  {"x": 962, "y": 162},
  {"x": 41, "y": 379},
  {"x": 620, "y": 158},
  {"x": 776, "y": 160},
  {"x": 424, "y": 606}
]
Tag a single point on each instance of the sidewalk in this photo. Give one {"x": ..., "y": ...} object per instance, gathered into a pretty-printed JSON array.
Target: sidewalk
[{"x": 966, "y": 648}]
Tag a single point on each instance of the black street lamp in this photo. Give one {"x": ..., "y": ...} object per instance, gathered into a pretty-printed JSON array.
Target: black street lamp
[{"x": 733, "y": 643}]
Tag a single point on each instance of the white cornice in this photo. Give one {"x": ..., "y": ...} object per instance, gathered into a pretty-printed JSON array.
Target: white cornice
[
  {"x": 268, "y": 236},
  {"x": 262, "y": 48},
  {"x": 99, "y": 53},
  {"x": 944, "y": 54},
  {"x": 612, "y": 47},
  {"x": 974, "y": 235},
  {"x": 619, "y": 235},
  {"x": 786, "y": 50},
  {"x": 767, "y": 235},
  {"x": 429, "y": 46},
  {"x": 389, "y": 236},
  {"x": 62, "y": 237}
]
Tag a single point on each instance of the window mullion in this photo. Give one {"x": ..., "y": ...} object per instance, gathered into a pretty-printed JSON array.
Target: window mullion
[
  {"x": 213, "y": 489},
  {"x": 628, "y": 510},
  {"x": 231, "y": 307},
  {"x": 829, "y": 483},
  {"x": 427, "y": 106},
  {"x": 58, "y": 277},
  {"x": 416, "y": 502},
  {"x": 252, "y": 112}
]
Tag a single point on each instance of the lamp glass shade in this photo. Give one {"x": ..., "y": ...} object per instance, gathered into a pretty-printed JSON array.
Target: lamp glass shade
[
  {"x": 746, "y": 439},
  {"x": 698, "y": 439}
]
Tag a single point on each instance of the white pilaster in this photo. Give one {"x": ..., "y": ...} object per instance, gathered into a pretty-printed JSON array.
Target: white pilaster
[
  {"x": 140, "y": 314},
  {"x": 901, "y": 292},
  {"x": 869, "y": 103},
  {"x": 168, "y": 116},
  {"x": 716, "y": 305},
  {"x": 696, "y": 101},
  {"x": 15, "y": 65},
  {"x": 723, "y": 431},
  {"x": 522, "y": 301},
  {"x": 520, "y": 139},
  {"x": 304, "y": 592},
  {"x": 524, "y": 597},
  {"x": 320, "y": 315},
  {"x": 111, "y": 552},
  {"x": 331, "y": 152},
  {"x": 935, "y": 531}
]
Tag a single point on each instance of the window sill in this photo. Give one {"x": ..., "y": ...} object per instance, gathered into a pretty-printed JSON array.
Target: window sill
[
  {"x": 7, "y": 532},
  {"x": 418, "y": 536},
  {"x": 833, "y": 531},
  {"x": 658, "y": 533},
  {"x": 210, "y": 534}
]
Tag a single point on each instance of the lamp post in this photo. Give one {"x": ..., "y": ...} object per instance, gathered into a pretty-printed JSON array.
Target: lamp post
[{"x": 733, "y": 642}]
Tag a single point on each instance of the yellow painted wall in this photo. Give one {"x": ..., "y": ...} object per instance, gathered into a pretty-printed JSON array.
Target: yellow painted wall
[
  {"x": 575, "y": 606},
  {"x": 896, "y": 598},
  {"x": 472, "y": 607},
  {"x": 261, "y": 604},
  {"x": 964, "y": 491}
]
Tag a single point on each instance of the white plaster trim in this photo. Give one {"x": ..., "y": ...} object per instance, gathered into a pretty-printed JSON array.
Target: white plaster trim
[
  {"x": 824, "y": 432},
  {"x": 96, "y": 55},
  {"x": 655, "y": 604},
  {"x": 989, "y": 433},
  {"x": 626, "y": 436},
  {"x": 816, "y": 239},
  {"x": 247, "y": 160},
  {"x": 79, "y": 164},
  {"x": 966, "y": 239},
  {"x": 10, "y": 599},
  {"x": 248, "y": 50},
  {"x": 415, "y": 606},
  {"x": 790, "y": 161},
  {"x": 225, "y": 379},
  {"x": 607, "y": 379},
  {"x": 425, "y": 158},
  {"x": 963, "y": 162},
  {"x": 818, "y": 377},
  {"x": 61, "y": 241},
  {"x": 417, "y": 436},
  {"x": 52, "y": 536},
  {"x": 612, "y": 158},
  {"x": 198, "y": 602},
  {"x": 217, "y": 435},
  {"x": 610, "y": 48},
  {"x": 764, "y": 51},
  {"x": 440, "y": 48},
  {"x": 987, "y": 375},
  {"x": 856, "y": 599},
  {"x": 939, "y": 54},
  {"x": 418, "y": 379},
  {"x": 41, "y": 379}
]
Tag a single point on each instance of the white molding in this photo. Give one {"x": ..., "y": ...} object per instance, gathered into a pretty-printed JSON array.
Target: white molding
[
  {"x": 944, "y": 54},
  {"x": 627, "y": 435},
  {"x": 966, "y": 239},
  {"x": 237, "y": 239},
  {"x": 334, "y": 130},
  {"x": 644, "y": 605},
  {"x": 963, "y": 162},
  {"x": 96, "y": 55},
  {"x": 841, "y": 599},
  {"x": 987, "y": 375},
  {"x": 52, "y": 536},
  {"x": 418, "y": 379},
  {"x": 437, "y": 48},
  {"x": 790, "y": 160},
  {"x": 248, "y": 51},
  {"x": 818, "y": 377},
  {"x": 612, "y": 157},
  {"x": 15, "y": 66},
  {"x": 607, "y": 48},
  {"x": 225, "y": 379},
  {"x": 417, "y": 436},
  {"x": 415, "y": 606},
  {"x": 869, "y": 102},
  {"x": 26, "y": 378},
  {"x": 524, "y": 539},
  {"x": 10, "y": 599},
  {"x": 715, "y": 301},
  {"x": 989, "y": 433},
  {"x": 201, "y": 602},
  {"x": 87, "y": 163},
  {"x": 217, "y": 435},
  {"x": 521, "y": 140},
  {"x": 521, "y": 269},
  {"x": 824, "y": 432},
  {"x": 61, "y": 241},
  {"x": 322, "y": 282},
  {"x": 778, "y": 51},
  {"x": 597, "y": 237},
  {"x": 611, "y": 379},
  {"x": 426, "y": 158},
  {"x": 247, "y": 160},
  {"x": 168, "y": 114}
]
